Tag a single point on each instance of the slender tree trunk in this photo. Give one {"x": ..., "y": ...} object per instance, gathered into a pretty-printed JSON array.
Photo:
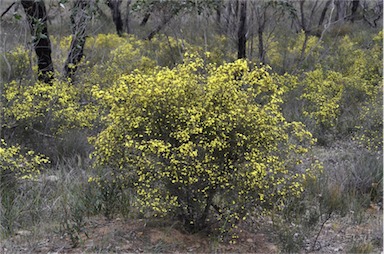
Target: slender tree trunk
[
  {"x": 159, "y": 27},
  {"x": 218, "y": 15},
  {"x": 228, "y": 17},
  {"x": 37, "y": 19},
  {"x": 324, "y": 12},
  {"x": 337, "y": 6},
  {"x": 203, "y": 219},
  {"x": 236, "y": 3},
  {"x": 261, "y": 45},
  {"x": 261, "y": 17},
  {"x": 114, "y": 5},
  {"x": 355, "y": 6},
  {"x": 303, "y": 21},
  {"x": 340, "y": 10},
  {"x": 145, "y": 19},
  {"x": 79, "y": 18},
  {"x": 127, "y": 14},
  {"x": 241, "y": 33}
]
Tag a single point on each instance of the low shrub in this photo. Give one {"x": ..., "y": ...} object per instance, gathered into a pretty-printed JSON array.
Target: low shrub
[{"x": 203, "y": 142}]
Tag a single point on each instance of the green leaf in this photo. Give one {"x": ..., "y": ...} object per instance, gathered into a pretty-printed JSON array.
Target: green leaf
[{"x": 17, "y": 16}]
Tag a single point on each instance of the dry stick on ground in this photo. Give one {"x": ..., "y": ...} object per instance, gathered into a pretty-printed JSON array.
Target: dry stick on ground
[
  {"x": 5, "y": 12},
  {"x": 329, "y": 215}
]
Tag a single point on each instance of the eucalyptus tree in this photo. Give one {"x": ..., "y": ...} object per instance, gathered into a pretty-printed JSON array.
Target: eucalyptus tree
[
  {"x": 242, "y": 30},
  {"x": 114, "y": 5},
  {"x": 168, "y": 10},
  {"x": 82, "y": 11},
  {"x": 37, "y": 18}
]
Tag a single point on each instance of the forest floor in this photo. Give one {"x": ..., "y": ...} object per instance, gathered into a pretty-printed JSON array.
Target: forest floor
[{"x": 100, "y": 235}]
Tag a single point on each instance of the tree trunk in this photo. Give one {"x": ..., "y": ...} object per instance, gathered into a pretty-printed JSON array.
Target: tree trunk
[
  {"x": 202, "y": 222},
  {"x": 236, "y": 4},
  {"x": 340, "y": 10},
  {"x": 228, "y": 17},
  {"x": 303, "y": 21},
  {"x": 261, "y": 45},
  {"x": 114, "y": 5},
  {"x": 261, "y": 14},
  {"x": 218, "y": 15},
  {"x": 127, "y": 14},
  {"x": 37, "y": 19},
  {"x": 145, "y": 19},
  {"x": 79, "y": 18},
  {"x": 241, "y": 33},
  {"x": 355, "y": 6},
  {"x": 324, "y": 12},
  {"x": 159, "y": 27}
]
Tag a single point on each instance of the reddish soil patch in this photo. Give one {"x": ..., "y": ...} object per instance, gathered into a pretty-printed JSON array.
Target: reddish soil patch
[
  {"x": 100, "y": 235},
  {"x": 140, "y": 236}
]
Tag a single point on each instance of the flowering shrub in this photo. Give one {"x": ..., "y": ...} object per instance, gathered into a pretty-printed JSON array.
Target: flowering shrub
[
  {"x": 370, "y": 122},
  {"x": 16, "y": 64},
  {"x": 306, "y": 50},
  {"x": 202, "y": 138},
  {"x": 323, "y": 91},
  {"x": 346, "y": 100},
  {"x": 13, "y": 163},
  {"x": 51, "y": 108},
  {"x": 123, "y": 57}
]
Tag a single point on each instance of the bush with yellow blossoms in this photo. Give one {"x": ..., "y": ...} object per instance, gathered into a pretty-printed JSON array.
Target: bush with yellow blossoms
[
  {"x": 47, "y": 108},
  {"x": 16, "y": 164},
  {"x": 203, "y": 143},
  {"x": 346, "y": 100}
]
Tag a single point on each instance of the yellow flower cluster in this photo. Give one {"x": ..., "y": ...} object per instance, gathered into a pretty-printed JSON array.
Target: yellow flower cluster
[
  {"x": 17, "y": 65},
  {"x": 201, "y": 134},
  {"x": 57, "y": 105},
  {"x": 21, "y": 165},
  {"x": 324, "y": 92},
  {"x": 346, "y": 96}
]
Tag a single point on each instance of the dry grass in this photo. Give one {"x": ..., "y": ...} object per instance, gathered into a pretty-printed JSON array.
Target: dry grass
[{"x": 65, "y": 215}]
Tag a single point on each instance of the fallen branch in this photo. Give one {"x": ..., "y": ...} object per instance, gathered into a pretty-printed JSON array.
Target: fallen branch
[{"x": 46, "y": 135}]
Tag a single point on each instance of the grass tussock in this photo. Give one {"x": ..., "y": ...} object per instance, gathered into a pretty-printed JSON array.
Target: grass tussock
[{"x": 63, "y": 207}]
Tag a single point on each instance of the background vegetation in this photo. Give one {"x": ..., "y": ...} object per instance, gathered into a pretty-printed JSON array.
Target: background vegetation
[{"x": 228, "y": 116}]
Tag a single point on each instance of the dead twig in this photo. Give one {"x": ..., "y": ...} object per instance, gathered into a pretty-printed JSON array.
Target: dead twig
[{"x": 7, "y": 10}]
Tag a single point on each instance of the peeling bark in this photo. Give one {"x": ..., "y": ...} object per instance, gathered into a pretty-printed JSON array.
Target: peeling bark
[{"x": 79, "y": 19}]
